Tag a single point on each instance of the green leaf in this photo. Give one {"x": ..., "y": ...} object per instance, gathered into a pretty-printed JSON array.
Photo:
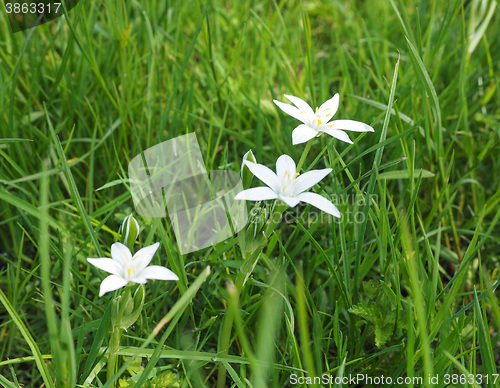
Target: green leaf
[
  {"x": 13, "y": 140},
  {"x": 167, "y": 380},
  {"x": 484, "y": 336},
  {"x": 98, "y": 340},
  {"x": 27, "y": 207},
  {"x": 129, "y": 317},
  {"x": 122, "y": 383},
  {"x": 252, "y": 237},
  {"x": 389, "y": 293},
  {"x": 426, "y": 82},
  {"x": 404, "y": 174},
  {"x": 60, "y": 338},
  {"x": 40, "y": 362},
  {"x": 371, "y": 289},
  {"x": 370, "y": 312},
  {"x": 116, "y": 182},
  {"x": 135, "y": 366},
  {"x": 73, "y": 189},
  {"x": 382, "y": 333}
]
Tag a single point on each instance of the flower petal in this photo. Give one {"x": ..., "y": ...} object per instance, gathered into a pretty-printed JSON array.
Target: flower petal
[
  {"x": 303, "y": 133},
  {"x": 328, "y": 109},
  {"x": 139, "y": 279},
  {"x": 111, "y": 283},
  {"x": 256, "y": 194},
  {"x": 121, "y": 254},
  {"x": 265, "y": 174},
  {"x": 290, "y": 201},
  {"x": 336, "y": 133},
  {"x": 320, "y": 202},
  {"x": 285, "y": 165},
  {"x": 108, "y": 265},
  {"x": 291, "y": 110},
  {"x": 143, "y": 257},
  {"x": 158, "y": 272},
  {"x": 351, "y": 125},
  {"x": 309, "y": 179},
  {"x": 304, "y": 107}
]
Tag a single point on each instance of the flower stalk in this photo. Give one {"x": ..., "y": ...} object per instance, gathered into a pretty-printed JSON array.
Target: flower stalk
[
  {"x": 126, "y": 310},
  {"x": 127, "y": 270},
  {"x": 304, "y": 154},
  {"x": 119, "y": 305},
  {"x": 246, "y": 269},
  {"x": 287, "y": 187},
  {"x": 114, "y": 346}
]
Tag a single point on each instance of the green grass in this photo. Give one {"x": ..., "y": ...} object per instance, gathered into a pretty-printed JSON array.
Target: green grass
[{"x": 405, "y": 284}]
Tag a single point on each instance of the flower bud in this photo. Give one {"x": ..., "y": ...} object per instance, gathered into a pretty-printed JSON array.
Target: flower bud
[
  {"x": 130, "y": 231},
  {"x": 246, "y": 174}
]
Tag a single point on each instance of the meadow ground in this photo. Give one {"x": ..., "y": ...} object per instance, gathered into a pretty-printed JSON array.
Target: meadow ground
[{"x": 405, "y": 284}]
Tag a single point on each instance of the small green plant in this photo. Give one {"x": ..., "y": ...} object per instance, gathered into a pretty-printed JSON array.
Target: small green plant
[
  {"x": 287, "y": 187},
  {"x": 378, "y": 309},
  {"x": 126, "y": 271}
]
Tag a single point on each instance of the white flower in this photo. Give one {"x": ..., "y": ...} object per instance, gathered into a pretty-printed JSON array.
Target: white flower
[
  {"x": 124, "y": 268},
  {"x": 287, "y": 185},
  {"x": 317, "y": 122}
]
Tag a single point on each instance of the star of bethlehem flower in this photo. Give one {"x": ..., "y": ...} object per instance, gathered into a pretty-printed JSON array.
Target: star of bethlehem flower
[
  {"x": 287, "y": 185},
  {"x": 125, "y": 268},
  {"x": 317, "y": 122}
]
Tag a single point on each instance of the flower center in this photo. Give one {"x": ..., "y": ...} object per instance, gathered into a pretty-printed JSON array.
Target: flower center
[
  {"x": 318, "y": 116},
  {"x": 288, "y": 181},
  {"x": 128, "y": 270}
]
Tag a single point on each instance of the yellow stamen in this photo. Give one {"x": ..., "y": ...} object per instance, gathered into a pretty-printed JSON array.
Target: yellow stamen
[
  {"x": 128, "y": 270},
  {"x": 296, "y": 175},
  {"x": 319, "y": 122}
]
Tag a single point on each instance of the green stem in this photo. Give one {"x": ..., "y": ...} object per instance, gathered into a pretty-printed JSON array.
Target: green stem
[
  {"x": 119, "y": 305},
  {"x": 227, "y": 327},
  {"x": 304, "y": 154},
  {"x": 114, "y": 346},
  {"x": 246, "y": 270}
]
